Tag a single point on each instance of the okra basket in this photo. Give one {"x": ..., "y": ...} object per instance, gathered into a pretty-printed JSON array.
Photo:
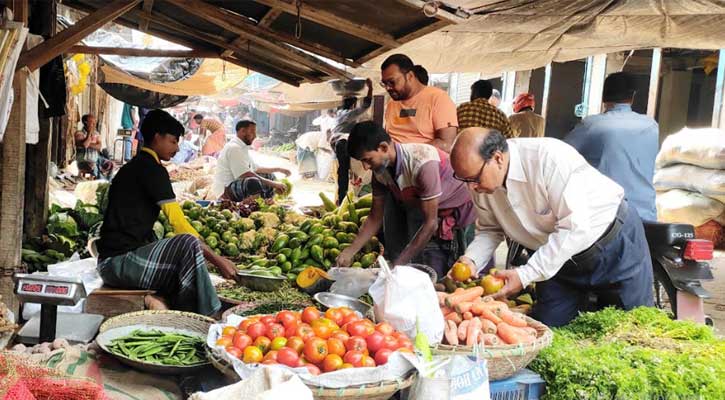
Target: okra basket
[{"x": 505, "y": 361}]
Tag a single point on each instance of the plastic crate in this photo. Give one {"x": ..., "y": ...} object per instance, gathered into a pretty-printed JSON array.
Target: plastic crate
[{"x": 525, "y": 385}]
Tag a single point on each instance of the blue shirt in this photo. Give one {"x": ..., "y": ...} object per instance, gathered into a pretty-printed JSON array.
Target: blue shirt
[{"x": 622, "y": 145}]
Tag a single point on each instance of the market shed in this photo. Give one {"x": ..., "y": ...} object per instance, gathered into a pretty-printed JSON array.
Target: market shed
[{"x": 292, "y": 41}]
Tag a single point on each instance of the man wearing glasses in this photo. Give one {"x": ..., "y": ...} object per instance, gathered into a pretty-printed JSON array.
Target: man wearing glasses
[
  {"x": 417, "y": 113},
  {"x": 542, "y": 194},
  {"x": 419, "y": 177}
]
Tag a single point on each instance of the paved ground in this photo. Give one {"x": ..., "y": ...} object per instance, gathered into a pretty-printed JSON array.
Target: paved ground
[{"x": 715, "y": 306}]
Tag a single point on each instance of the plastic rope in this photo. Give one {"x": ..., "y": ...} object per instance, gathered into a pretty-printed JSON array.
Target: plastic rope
[
  {"x": 340, "y": 392},
  {"x": 361, "y": 390}
]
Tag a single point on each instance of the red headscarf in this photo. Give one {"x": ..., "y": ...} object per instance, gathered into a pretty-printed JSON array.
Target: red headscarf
[{"x": 524, "y": 100}]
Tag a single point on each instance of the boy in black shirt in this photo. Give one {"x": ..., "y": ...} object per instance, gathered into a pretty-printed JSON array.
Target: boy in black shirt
[{"x": 129, "y": 255}]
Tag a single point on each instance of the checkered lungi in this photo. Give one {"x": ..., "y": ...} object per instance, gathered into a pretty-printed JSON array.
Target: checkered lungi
[
  {"x": 175, "y": 268},
  {"x": 242, "y": 188}
]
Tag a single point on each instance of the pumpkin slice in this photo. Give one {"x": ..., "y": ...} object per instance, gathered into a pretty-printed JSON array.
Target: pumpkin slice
[{"x": 313, "y": 280}]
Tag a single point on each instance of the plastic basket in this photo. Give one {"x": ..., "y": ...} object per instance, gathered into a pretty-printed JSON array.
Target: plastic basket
[{"x": 524, "y": 385}]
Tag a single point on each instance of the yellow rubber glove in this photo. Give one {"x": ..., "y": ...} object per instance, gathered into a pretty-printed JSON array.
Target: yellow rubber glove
[{"x": 177, "y": 220}]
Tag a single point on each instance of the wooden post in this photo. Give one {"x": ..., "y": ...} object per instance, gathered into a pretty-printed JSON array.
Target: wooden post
[
  {"x": 379, "y": 109},
  {"x": 717, "y": 112},
  {"x": 12, "y": 178},
  {"x": 595, "y": 84},
  {"x": 545, "y": 95},
  {"x": 37, "y": 164},
  {"x": 523, "y": 79},
  {"x": 654, "y": 82}
]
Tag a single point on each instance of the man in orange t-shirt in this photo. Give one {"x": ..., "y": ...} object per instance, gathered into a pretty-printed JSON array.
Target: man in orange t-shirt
[{"x": 417, "y": 113}]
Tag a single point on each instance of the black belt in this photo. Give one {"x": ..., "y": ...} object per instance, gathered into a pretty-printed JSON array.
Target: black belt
[{"x": 583, "y": 257}]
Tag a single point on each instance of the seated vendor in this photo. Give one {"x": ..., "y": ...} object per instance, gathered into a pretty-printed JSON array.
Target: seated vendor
[
  {"x": 237, "y": 176},
  {"x": 88, "y": 146},
  {"x": 420, "y": 178},
  {"x": 129, "y": 255}
]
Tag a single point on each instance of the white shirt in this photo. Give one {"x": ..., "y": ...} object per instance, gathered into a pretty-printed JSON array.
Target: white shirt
[
  {"x": 234, "y": 160},
  {"x": 554, "y": 202},
  {"x": 313, "y": 141}
]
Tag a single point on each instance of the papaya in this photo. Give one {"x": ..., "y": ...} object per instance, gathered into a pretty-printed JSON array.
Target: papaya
[
  {"x": 363, "y": 212},
  {"x": 315, "y": 240},
  {"x": 317, "y": 253},
  {"x": 286, "y": 266},
  {"x": 367, "y": 260},
  {"x": 356, "y": 264},
  {"x": 316, "y": 228},
  {"x": 331, "y": 254},
  {"x": 341, "y": 237},
  {"x": 330, "y": 243},
  {"x": 326, "y": 202},
  {"x": 353, "y": 213},
  {"x": 311, "y": 262},
  {"x": 294, "y": 243},
  {"x": 364, "y": 201},
  {"x": 296, "y": 254},
  {"x": 304, "y": 254},
  {"x": 281, "y": 258},
  {"x": 279, "y": 243},
  {"x": 287, "y": 251}
]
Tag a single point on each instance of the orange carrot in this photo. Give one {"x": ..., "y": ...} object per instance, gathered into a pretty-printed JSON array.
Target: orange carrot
[
  {"x": 531, "y": 331},
  {"x": 467, "y": 315},
  {"x": 459, "y": 290},
  {"x": 490, "y": 339},
  {"x": 462, "y": 330},
  {"x": 464, "y": 306},
  {"x": 451, "y": 333},
  {"x": 488, "y": 314},
  {"x": 474, "y": 331},
  {"x": 445, "y": 310},
  {"x": 467, "y": 295},
  {"x": 513, "y": 319},
  {"x": 453, "y": 316},
  {"x": 513, "y": 335},
  {"x": 441, "y": 297},
  {"x": 494, "y": 306},
  {"x": 488, "y": 326}
]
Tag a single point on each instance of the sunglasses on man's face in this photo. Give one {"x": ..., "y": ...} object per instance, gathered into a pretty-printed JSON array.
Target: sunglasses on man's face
[{"x": 475, "y": 179}]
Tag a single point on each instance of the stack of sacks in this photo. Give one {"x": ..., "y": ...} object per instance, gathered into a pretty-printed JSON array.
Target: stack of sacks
[{"x": 690, "y": 182}]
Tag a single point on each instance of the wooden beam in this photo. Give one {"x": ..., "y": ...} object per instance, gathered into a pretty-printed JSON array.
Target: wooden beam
[
  {"x": 333, "y": 21},
  {"x": 269, "y": 18},
  {"x": 20, "y": 11},
  {"x": 291, "y": 76},
  {"x": 148, "y": 5},
  {"x": 129, "y": 52},
  {"x": 654, "y": 82},
  {"x": 60, "y": 43},
  {"x": 595, "y": 84},
  {"x": 230, "y": 22},
  {"x": 404, "y": 39}
]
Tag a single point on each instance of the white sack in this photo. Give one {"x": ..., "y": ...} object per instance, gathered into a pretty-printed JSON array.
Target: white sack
[
  {"x": 680, "y": 206},
  {"x": 263, "y": 384},
  {"x": 708, "y": 182},
  {"x": 702, "y": 147}
]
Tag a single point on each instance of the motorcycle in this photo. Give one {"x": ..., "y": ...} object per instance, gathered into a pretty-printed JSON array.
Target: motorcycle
[{"x": 679, "y": 263}]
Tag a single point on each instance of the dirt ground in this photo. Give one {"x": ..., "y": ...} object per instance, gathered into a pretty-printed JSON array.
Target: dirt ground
[{"x": 715, "y": 306}]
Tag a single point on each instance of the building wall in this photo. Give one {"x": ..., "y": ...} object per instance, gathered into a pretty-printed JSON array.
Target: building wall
[{"x": 565, "y": 92}]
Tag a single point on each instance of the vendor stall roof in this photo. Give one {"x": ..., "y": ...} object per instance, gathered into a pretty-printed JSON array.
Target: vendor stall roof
[{"x": 293, "y": 41}]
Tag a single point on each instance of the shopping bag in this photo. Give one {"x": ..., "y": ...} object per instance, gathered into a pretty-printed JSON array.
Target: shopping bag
[
  {"x": 404, "y": 295},
  {"x": 353, "y": 282},
  {"x": 451, "y": 378}
]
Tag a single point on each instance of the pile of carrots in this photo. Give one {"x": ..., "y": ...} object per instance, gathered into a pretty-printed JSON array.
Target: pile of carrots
[{"x": 472, "y": 318}]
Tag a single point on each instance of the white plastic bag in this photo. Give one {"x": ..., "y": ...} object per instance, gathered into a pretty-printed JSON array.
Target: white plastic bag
[
  {"x": 353, "y": 282},
  {"x": 680, "y": 206},
  {"x": 71, "y": 268},
  {"x": 457, "y": 378},
  {"x": 702, "y": 147},
  {"x": 404, "y": 295},
  {"x": 263, "y": 384},
  {"x": 708, "y": 182}
]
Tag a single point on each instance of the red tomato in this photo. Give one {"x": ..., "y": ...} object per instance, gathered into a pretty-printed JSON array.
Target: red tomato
[
  {"x": 288, "y": 357},
  {"x": 295, "y": 343},
  {"x": 256, "y": 330},
  {"x": 241, "y": 340},
  {"x": 313, "y": 369},
  {"x": 375, "y": 341},
  {"x": 342, "y": 335},
  {"x": 234, "y": 352},
  {"x": 271, "y": 355},
  {"x": 269, "y": 362},
  {"x": 332, "y": 362},
  {"x": 399, "y": 335},
  {"x": 381, "y": 356},
  {"x": 305, "y": 332},
  {"x": 353, "y": 357},
  {"x": 346, "y": 366},
  {"x": 224, "y": 341},
  {"x": 291, "y": 329},
  {"x": 322, "y": 331},
  {"x": 315, "y": 350},
  {"x": 275, "y": 330},
  {"x": 356, "y": 343},
  {"x": 263, "y": 343},
  {"x": 249, "y": 321},
  {"x": 367, "y": 361},
  {"x": 346, "y": 311},
  {"x": 390, "y": 342},
  {"x": 384, "y": 328},
  {"x": 286, "y": 317},
  {"x": 335, "y": 315},
  {"x": 336, "y": 346},
  {"x": 229, "y": 331},
  {"x": 252, "y": 355},
  {"x": 267, "y": 319},
  {"x": 310, "y": 314},
  {"x": 350, "y": 318},
  {"x": 360, "y": 328},
  {"x": 405, "y": 343}
]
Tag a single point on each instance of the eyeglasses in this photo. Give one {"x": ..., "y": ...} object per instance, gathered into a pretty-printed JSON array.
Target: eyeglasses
[
  {"x": 390, "y": 83},
  {"x": 475, "y": 179}
]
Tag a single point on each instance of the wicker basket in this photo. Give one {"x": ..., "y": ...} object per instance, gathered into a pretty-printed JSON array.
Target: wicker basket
[
  {"x": 240, "y": 308},
  {"x": 185, "y": 322},
  {"x": 505, "y": 361},
  {"x": 378, "y": 391}
]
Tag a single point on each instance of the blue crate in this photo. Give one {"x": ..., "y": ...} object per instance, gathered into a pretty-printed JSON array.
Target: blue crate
[{"x": 525, "y": 385}]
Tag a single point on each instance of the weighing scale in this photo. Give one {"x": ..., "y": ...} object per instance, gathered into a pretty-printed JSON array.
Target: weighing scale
[{"x": 51, "y": 292}]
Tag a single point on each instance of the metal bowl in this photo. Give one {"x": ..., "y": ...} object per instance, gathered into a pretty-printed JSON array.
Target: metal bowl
[
  {"x": 329, "y": 300},
  {"x": 349, "y": 87},
  {"x": 260, "y": 283},
  {"x": 427, "y": 269}
]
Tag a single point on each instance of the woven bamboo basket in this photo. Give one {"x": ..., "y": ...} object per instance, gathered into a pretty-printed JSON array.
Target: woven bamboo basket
[
  {"x": 376, "y": 391},
  {"x": 505, "y": 361},
  {"x": 241, "y": 308}
]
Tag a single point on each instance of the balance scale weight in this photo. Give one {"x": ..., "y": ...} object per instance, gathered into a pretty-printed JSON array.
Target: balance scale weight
[{"x": 51, "y": 292}]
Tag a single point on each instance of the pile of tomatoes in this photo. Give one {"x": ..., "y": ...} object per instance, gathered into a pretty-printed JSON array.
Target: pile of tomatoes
[{"x": 321, "y": 342}]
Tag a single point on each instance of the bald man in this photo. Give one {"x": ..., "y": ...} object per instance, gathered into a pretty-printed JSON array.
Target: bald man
[{"x": 543, "y": 195}]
